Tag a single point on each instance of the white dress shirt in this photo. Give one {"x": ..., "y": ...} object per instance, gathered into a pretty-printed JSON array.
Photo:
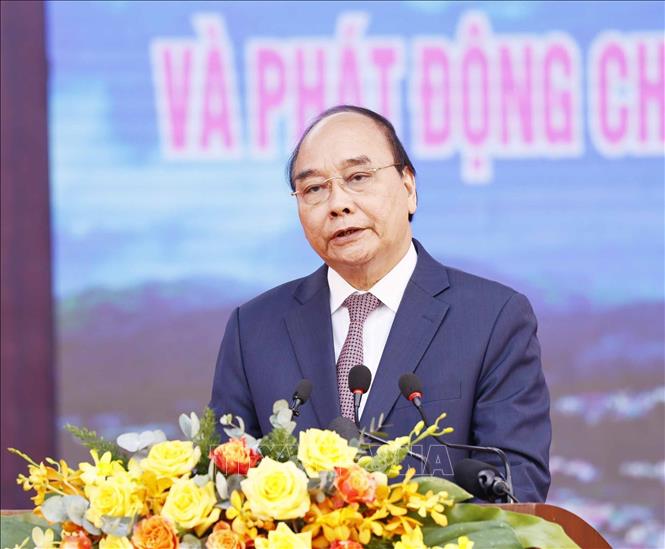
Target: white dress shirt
[{"x": 389, "y": 290}]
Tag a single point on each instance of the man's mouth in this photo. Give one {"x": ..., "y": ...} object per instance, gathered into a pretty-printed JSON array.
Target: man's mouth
[{"x": 342, "y": 233}]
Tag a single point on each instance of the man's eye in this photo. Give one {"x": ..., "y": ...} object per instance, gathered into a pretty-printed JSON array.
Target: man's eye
[
  {"x": 312, "y": 189},
  {"x": 359, "y": 177}
]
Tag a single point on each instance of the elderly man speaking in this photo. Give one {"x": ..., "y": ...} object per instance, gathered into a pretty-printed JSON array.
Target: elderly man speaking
[{"x": 381, "y": 300}]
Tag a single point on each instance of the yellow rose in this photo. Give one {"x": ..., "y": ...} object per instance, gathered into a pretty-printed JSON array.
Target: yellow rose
[
  {"x": 276, "y": 490},
  {"x": 284, "y": 538},
  {"x": 190, "y": 506},
  {"x": 172, "y": 458},
  {"x": 116, "y": 496},
  {"x": 115, "y": 542},
  {"x": 323, "y": 451}
]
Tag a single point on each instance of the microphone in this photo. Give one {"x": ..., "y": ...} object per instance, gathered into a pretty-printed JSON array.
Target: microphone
[
  {"x": 360, "y": 378},
  {"x": 300, "y": 396},
  {"x": 345, "y": 428},
  {"x": 482, "y": 480},
  {"x": 411, "y": 389}
]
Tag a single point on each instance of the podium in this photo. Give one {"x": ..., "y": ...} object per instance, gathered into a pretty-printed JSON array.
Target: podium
[{"x": 579, "y": 530}]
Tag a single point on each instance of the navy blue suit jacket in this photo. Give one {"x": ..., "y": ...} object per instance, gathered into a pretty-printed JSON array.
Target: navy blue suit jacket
[{"x": 471, "y": 341}]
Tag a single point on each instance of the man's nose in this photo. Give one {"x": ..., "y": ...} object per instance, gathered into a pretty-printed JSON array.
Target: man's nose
[{"x": 339, "y": 201}]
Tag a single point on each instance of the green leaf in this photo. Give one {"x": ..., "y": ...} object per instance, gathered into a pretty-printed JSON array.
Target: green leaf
[
  {"x": 90, "y": 439},
  {"x": 14, "y": 529},
  {"x": 439, "y": 484},
  {"x": 207, "y": 439},
  {"x": 531, "y": 531},
  {"x": 485, "y": 534},
  {"x": 379, "y": 543}
]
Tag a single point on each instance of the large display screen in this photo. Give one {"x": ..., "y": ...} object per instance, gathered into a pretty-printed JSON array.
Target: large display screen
[{"x": 537, "y": 130}]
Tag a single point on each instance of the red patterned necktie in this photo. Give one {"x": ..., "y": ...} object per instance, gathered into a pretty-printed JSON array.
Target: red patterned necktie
[{"x": 359, "y": 306}]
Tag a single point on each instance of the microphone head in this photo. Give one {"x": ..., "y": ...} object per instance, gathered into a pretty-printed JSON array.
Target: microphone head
[
  {"x": 303, "y": 390},
  {"x": 469, "y": 474},
  {"x": 360, "y": 378},
  {"x": 410, "y": 384},
  {"x": 345, "y": 428}
]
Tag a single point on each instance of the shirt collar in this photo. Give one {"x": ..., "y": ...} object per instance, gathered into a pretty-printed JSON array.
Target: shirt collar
[{"x": 389, "y": 290}]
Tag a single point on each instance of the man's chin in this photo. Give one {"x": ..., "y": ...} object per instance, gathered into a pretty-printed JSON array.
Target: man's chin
[{"x": 350, "y": 258}]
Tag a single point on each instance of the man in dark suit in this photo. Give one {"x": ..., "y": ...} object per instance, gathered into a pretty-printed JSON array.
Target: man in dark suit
[{"x": 382, "y": 300}]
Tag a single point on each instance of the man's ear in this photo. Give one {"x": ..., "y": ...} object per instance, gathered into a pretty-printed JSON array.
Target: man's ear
[{"x": 409, "y": 182}]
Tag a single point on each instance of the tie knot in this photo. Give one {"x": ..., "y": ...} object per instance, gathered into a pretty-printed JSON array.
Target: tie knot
[{"x": 360, "y": 305}]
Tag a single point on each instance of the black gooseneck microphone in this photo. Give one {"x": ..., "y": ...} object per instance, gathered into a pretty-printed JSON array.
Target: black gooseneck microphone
[
  {"x": 300, "y": 396},
  {"x": 482, "y": 480},
  {"x": 360, "y": 378},
  {"x": 345, "y": 428},
  {"x": 412, "y": 390}
]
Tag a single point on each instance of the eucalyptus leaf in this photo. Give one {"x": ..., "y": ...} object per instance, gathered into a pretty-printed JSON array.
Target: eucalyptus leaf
[
  {"x": 251, "y": 442},
  {"x": 196, "y": 424},
  {"x": 75, "y": 507},
  {"x": 117, "y": 526},
  {"x": 54, "y": 510},
  {"x": 279, "y": 405},
  {"x": 201, "y": 480},
  {"x": 190, "y": 542},
  {"x": 222, "y": 486},
  {"x": 135, "y": 442},
  {"x": 90, "y": 527},
  {"x": 185, "y": 425},
  {"x": 233, "y": 483}
]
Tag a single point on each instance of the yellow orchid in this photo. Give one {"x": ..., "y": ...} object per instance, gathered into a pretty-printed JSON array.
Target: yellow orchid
[
  {"x": 432, "y": 504},
  {"x": 411, "y": 540},
  {"x": 43, "y": 539},
  {"x": 243, "y": 522},
  {"x": 336, "y": 524},
  {"x": 57, "y": 478},
  {"x": 103, "y": 467}
]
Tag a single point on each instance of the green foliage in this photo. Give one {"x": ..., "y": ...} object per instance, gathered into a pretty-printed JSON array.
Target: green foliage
[
  {"x": 207, "y": 439},
  {"x": 91, "y": 440},
  {"x": 279, "y": 445},
  {"x": 15, "y": 529},
  {"x": 385, "y": 458},
  {"x": 486, "y": 534},
  {"x": 379, "y": 543},
  {"x": 530, "y": 531},
  {"x": 436, "y": 485}
]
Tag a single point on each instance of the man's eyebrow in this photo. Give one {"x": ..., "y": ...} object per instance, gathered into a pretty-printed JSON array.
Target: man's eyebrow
[
  {"x": 356, "y": 161},
  {"x": 306, "y": 173}
]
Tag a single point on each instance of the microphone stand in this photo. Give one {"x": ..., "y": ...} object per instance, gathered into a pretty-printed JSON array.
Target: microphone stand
[
  {"x": 497, "y": 451},
  {"x": 357, "y": 397}
]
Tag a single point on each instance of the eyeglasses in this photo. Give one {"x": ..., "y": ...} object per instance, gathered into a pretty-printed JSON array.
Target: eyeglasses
[{"x": 317, "y": 190}]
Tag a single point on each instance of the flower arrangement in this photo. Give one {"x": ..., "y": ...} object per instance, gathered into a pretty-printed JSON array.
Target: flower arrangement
[{"x": 318, "y": 490}]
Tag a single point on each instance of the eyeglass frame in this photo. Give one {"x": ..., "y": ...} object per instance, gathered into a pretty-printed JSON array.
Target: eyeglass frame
[{"x": 344, "y": 184}]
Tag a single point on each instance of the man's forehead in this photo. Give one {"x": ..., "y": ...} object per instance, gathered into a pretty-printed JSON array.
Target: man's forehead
[{"x": 345, "y": 128}]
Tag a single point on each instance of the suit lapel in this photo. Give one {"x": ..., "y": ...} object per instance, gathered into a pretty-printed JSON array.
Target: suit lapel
[
  {"x": 310, "y": 330},
  {"x": 417, "y": 320}
]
